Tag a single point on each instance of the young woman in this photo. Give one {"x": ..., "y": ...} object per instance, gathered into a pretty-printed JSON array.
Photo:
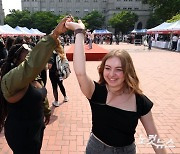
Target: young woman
[
  {"x": 116, "y": 101},
  {"x": 21, "y": 98},
  {"x": 55, "y": 78}
]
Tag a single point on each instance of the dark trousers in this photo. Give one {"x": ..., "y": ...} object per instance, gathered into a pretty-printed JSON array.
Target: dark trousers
[
  {"x": 44, "y": 76},
  {"x": 56, "y": 82}
]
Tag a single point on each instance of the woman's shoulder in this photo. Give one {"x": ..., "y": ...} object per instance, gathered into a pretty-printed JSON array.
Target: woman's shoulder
[
  {"x": 100, "y": 92},
  {"x": 144, "y": 104}
]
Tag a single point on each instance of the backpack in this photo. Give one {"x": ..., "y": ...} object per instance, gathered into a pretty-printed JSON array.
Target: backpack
[{"x": 63, "y": 68}]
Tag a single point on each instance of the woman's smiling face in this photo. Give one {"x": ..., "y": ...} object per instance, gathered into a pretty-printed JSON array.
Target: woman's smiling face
[{"x": 113, "y": 72}]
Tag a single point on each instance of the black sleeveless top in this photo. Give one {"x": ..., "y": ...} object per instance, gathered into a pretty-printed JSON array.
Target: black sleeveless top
[
  {"x": 114, "y": 126},
  {"x": 30, "y": 107}
]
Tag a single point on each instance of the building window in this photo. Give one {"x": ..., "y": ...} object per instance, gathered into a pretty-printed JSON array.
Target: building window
[
  {"x": 35, "y": 9},
  {"x": 95, "y": 0},
  {"x": 86, "y": 10},
  {"x": 129, "y": 8},
  {"x": 43, "y": 9},
  {"x": 60, "y": 0},
  {"x": 118, "y": 8},
  {"x": 68, "y": 11},
  {"x": 124, "y": 8},
  {"x": 136, "y": 8},
  {"x": 85, "y": 0},
  {"x": 26, "y": 8},
  {"x": 52, "y": 10},
  {"x": 77, "y": 11}
]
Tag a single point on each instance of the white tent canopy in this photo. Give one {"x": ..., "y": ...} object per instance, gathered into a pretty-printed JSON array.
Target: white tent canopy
[
  {"x": 174, "y": 26},
  {"x": 101, "y": 31},
  {"x": 166, "y": 28},
  {"x": 22, "y": 30},
  {"x": 36, "y": 31},
  {"x": 139, "y": 31},
  {"x": 7, "y": 30}
]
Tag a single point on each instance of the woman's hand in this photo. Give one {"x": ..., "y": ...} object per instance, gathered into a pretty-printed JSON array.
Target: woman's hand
[{"x": 74, "y": 25}]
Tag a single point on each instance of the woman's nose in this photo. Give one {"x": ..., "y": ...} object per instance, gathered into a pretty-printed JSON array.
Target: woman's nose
[{"x": 111, "y": 73}]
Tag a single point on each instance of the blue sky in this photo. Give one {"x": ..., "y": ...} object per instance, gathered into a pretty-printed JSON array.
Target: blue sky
[{"x": 11, "y": 4}]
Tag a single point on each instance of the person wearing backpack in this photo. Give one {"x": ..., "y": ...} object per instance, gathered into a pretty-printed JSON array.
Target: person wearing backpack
[{"x": 56, "y": 78}]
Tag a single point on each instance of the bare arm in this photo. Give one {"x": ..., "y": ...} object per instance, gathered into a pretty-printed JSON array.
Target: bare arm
[
  {"x": 86, "y": 84},
  {"x": 149, "y": 125}
]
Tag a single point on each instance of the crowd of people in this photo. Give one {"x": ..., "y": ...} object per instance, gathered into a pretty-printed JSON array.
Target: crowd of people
[{"x": 116, "y": 100}]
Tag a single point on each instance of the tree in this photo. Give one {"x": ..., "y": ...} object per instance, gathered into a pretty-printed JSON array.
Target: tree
[
  {"x": 18, "y": 18},
  {"x": 153, "y": 21},
  {"x": 174, "y": 18},
  {"x": 44, "y": 21},
  {"x": 123, "y": 21},
  {"x": 163, "y": 10},
  {"x": 93, "y": 20}
]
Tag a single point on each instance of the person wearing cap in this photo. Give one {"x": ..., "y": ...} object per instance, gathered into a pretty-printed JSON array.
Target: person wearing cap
[{"x": 21, "y": 98}]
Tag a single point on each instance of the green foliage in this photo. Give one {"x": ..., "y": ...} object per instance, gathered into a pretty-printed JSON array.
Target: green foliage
[
  {"x": 18, "y": 18},
  {"x": 163, "y": 10},
  {"x": 123, "y": 21},
  {"x": 153, "y": 21},
  {"x": 44, "y": 21},
  {"x": 93, "y": 20},
  {"x": 174, "y": 18}
]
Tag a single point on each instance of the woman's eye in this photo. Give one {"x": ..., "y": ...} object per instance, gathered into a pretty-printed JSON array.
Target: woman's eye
[
  {"x": 120, "y": 70},
  {"x": 107, "y": 68}
]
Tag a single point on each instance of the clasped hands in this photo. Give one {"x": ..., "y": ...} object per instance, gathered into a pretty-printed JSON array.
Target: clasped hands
[{"x": 65, "y": 24}]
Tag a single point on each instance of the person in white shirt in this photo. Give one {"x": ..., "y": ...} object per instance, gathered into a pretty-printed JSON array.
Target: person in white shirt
[
  {"x": 178, "y": 44},
  {"x": 174, "y": 42}
]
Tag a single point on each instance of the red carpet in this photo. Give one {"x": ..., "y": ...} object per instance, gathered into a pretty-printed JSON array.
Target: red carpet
[{"x": 94, "y": 54}]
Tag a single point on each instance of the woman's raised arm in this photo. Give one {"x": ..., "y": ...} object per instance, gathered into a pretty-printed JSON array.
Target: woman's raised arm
[{"x": 79, "y": 60}]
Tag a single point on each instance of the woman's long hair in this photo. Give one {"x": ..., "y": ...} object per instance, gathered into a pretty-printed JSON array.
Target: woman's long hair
[
  {"x": 6, "y": 67},
  {"x": 60, "y": 50},
  {"x": 131, "y": 81}
]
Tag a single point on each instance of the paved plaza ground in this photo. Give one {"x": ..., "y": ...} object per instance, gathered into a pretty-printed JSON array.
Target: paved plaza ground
[{"x": 159, "y": 74}]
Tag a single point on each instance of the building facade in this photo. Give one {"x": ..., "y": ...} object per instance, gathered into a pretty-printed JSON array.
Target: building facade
[
  {"x": 80, "y": 8},
  {"x": 1, "y": 14}
]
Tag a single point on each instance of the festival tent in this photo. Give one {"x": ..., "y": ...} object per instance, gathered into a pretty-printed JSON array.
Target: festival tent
[
  {"x": 159, "y": 29},
  {"x": 101, "y": 32},
  {"x": 37, "y": 32},
  {"x": 7, "y": 30},
  {"x": 24, "y": 30},
  {"x": 166, "y": 28},
  {"x": 139, "y": 31},
  {"x": 174, "y": 27},
  {"x": 30, "y": 32}
]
